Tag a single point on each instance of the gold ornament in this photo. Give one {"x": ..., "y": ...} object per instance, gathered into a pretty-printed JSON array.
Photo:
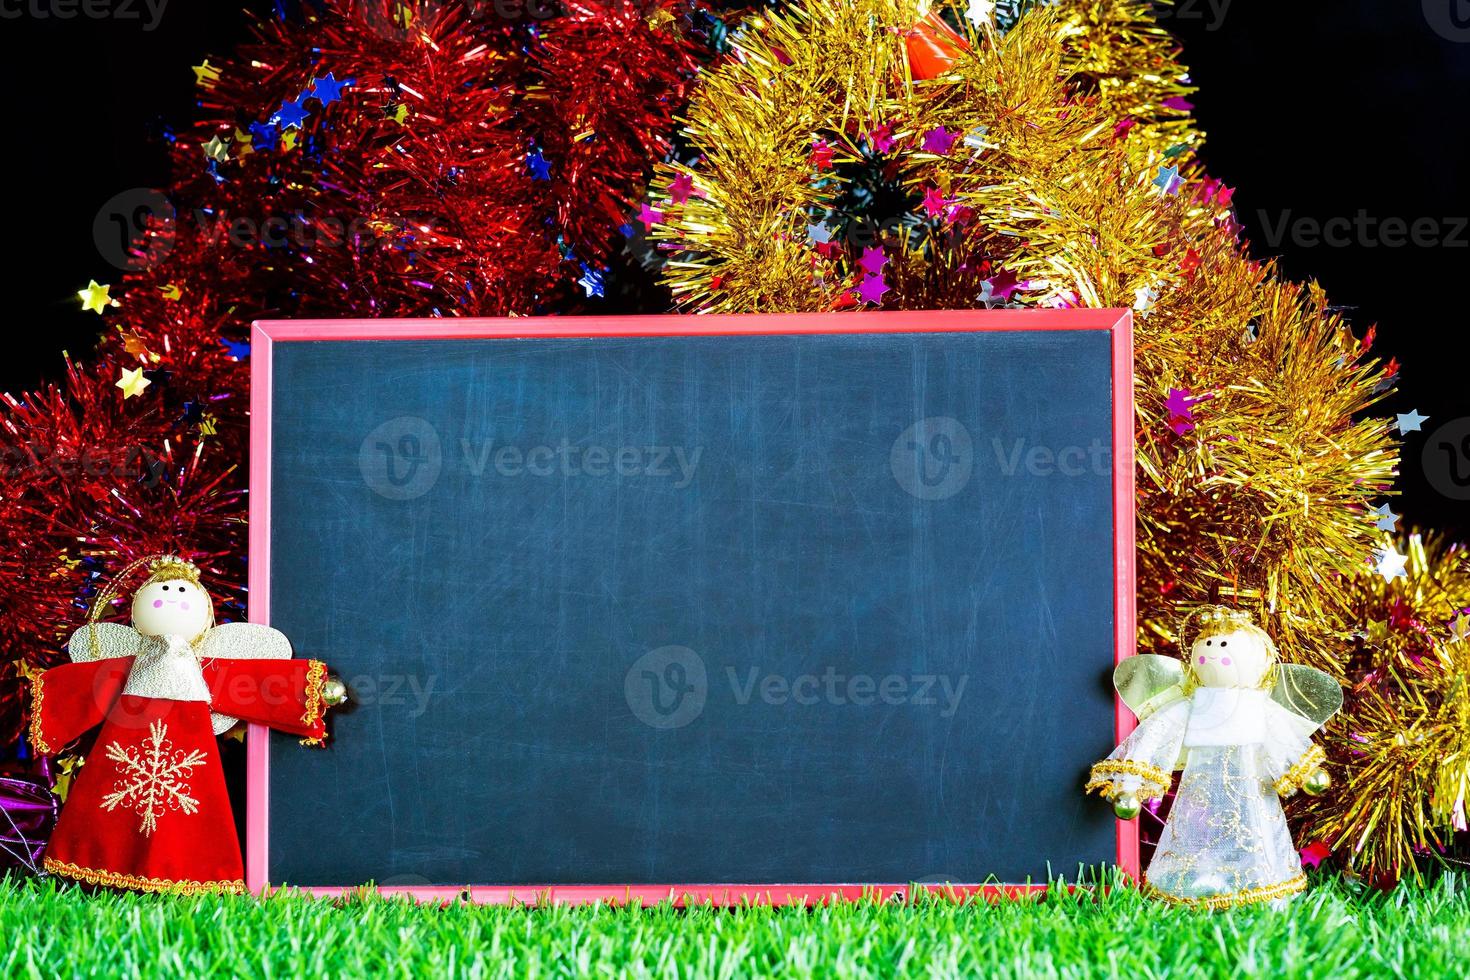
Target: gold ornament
[
  {"x": 1317, "y": 782},
  {"x": 334, "y": 692},
  {"x": 1126, "y": 806}
]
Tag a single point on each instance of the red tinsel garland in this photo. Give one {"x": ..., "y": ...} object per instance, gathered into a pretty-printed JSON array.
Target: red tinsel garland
[{"x": 384, "y": 158}]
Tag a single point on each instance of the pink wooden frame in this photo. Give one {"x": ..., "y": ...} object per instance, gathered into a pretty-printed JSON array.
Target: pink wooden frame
[{"x": 264, "y": 336}]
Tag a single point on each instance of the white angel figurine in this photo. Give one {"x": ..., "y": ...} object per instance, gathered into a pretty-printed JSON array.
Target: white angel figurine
[{"x": 1239, "y": 724}]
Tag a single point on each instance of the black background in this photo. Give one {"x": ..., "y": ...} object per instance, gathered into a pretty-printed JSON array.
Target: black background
[{"x": 1315, "y": 109}]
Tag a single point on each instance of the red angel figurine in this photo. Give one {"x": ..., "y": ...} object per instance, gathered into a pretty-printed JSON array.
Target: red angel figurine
[{"x": 149, "y": 810}]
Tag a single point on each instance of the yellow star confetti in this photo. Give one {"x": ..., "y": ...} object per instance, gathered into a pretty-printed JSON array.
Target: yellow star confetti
[
  {"x": 244, "y": 142},
  {"x": 217, "y": 149},
  {"x": 68, "y": 564},
  {"x": 208, "y": 425},
  {"x": 206, "y": 75},
  {"x": 132, "y": 383},
  {"x": 96, "y": 297},
  {"x": 171, "y": 291},
  {"x": 288, "y": 140},
  {"x": 398, "y": 113}
]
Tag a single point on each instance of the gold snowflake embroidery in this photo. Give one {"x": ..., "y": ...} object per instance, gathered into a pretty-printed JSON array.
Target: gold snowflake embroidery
[{"x": 154, "y": 778}]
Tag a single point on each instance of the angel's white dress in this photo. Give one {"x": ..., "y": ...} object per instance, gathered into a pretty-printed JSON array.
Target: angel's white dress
[{"x": 1226, "y": 841}]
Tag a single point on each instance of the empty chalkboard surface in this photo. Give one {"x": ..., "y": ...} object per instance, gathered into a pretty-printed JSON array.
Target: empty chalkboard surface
[{"x": 808, "y": 600}]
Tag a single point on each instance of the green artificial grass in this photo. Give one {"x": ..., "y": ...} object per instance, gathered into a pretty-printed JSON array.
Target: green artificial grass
[{"x": 1337, "y": 930}]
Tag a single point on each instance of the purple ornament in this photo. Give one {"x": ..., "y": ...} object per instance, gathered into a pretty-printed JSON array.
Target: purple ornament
[{"x": 27, "y": 813}]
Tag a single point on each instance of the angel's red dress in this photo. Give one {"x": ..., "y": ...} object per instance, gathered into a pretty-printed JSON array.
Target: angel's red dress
[{"x": 149, "y": 810}]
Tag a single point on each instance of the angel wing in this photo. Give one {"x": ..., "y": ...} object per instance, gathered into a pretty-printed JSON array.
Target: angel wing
[
  {"x": 241, "y": 641},
  {"x": 244, "y": 641},
  {"x": 1307, "y": 691},
  {"x": 1148, "y": 682},
  {"x": 103, "y": 641}
]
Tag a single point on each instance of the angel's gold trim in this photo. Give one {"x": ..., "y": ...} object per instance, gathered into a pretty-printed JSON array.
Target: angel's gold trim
[
  {"x": 116, "y": 879},
  {"x": 316, "y": 676},
  {"x": 1247, "y": 896},
  {"x": 1156, "y": 781},
  {"x": 1310, "y": 761},
  {"x": 38, "y": 694}
]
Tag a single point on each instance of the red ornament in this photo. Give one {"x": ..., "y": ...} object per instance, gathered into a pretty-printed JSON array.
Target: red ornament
[{"x": 933, "y": 47}]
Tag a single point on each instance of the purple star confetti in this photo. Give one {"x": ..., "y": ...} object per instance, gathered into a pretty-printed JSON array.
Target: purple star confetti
[
  {"x": 939, "y": 140},
  {"x": 873, "y": 261},
  {"x": 872, "y": 289}
]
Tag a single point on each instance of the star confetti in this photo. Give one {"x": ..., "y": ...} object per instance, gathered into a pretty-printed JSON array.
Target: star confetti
[
  {"x": 872, "y": 289},
  {"x": 170, "y": 292},
  {"x": 132, "y": 382},
  {"x": 1315, "y": 853},
  {"x": 980, "y": 11},
  {"x": 939, "y": 141},
  {"x": 873, "y": 261},
  {"x": 882, "y": 139},
  {"x": 1180, "y": 403},
  {"x": 1386, "y": 518},
  {"x": 681, "y": 187},
  {"x": 205, "y": 75},
  {"x": 1460, "y": 627},
  {"x": 217, "y": 149},
  {"x": 1411, "y": 422},
  {"x": 1000, "y": 287},
  {"x": 135, "y": 346},
  {"x": 95, "y": 297},
  {"x": 537, "y": 166},
  {"x": 818, "y": 234},
  {"x": 591, "y": 282},
  {"x": 934, "y": 202},
  {"x": 650, "y": 217},
  {"x": 328, "y": 90},
  {"x": 1390, "y": 564},
  {"x": 291, "y": 114},
  {"x": 398, "y": 113},
  {"x": 263, "y": 135},
  {"x": 821, "y": 155},
  {"x": 1168, "y": 180}
]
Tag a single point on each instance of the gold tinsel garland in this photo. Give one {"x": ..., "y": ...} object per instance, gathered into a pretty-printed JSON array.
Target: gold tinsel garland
[
  {"x": 1401, "y": 746},
  {"x": 1071, "y": 181}
]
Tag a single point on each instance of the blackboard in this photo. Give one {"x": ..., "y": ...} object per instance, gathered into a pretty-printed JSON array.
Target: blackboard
[{"x": 694, "y": 600}]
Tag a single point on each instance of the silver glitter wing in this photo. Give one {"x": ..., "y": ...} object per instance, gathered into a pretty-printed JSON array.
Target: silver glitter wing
[
  {"x": 241, "y": 641},
  {"x": 103, "y": 641}
]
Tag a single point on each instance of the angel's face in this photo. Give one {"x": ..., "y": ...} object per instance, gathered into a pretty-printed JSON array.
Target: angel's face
[
  {"x": 1236, "y": 659},
  {"x": 175, "y": 608}
]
